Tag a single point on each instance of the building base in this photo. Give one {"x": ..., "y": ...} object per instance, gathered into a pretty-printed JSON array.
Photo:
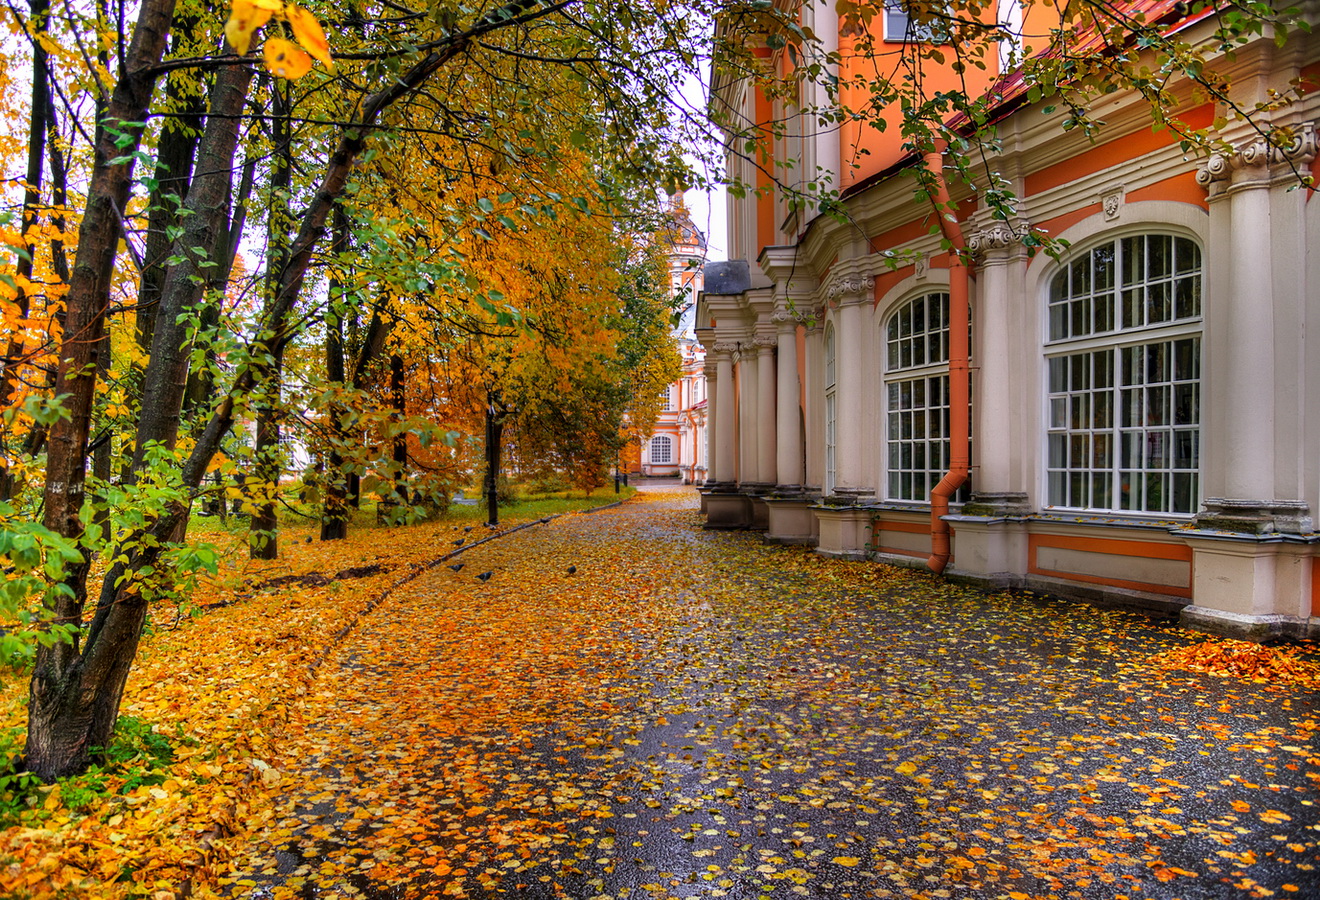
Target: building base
[
  {"x": 791, "y": 520},
  {"x": 844, "y": 531},
  {"x": 725, "y": 509}
]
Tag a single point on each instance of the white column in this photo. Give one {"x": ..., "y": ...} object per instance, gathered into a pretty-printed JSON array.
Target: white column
[
  {"x": 788, "y": 444},
  {"x": 1250, "y": 360},
  {"x": 855, "y": 295},
  {"x": 723, "y": 428},
  {"x": 998, "y": 385},
  {"x": 747, "y": 459},
  {"x": 766, "y": 413},
  {"x": 813, "y": 402},
  {"x": 705, "y": 454},
  {"x": 1245, "y": 397}
]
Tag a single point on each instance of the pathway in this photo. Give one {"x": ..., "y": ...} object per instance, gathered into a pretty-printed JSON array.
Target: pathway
[{"x": 694, "y": 714}]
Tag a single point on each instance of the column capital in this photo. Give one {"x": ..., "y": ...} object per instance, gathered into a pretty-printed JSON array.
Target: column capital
[
  {"x": 1260, "y": 159},
  {"x": 997, "y": 241},
  {"x": 765, "y": 344},
  {"x": 785, "y": 321},
  {"x": 849, "y": 289},
  {"x": 724, "y": 347}
]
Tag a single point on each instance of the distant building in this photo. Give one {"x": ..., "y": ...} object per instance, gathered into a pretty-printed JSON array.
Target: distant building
[{"x": 677, "y": 445}]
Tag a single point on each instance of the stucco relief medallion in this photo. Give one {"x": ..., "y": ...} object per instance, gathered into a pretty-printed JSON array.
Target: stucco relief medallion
[{"x": 1112, "y": 203}]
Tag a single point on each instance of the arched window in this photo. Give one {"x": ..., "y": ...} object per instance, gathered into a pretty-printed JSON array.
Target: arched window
[
  {"x": 831, "y": 408},
  {"x": 917, "y": 397},
  {"x": 1124, "y": 357},
  {"x": 662, "y": 450}
]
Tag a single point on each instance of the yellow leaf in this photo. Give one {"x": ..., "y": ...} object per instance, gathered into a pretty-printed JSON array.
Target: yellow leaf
[
  {"x": 245, "y": 17},
  {"x": 309, "y": 33},
  {"x": 285, "y": 60},
  {"x": 906, "y": 768},
  {"x": 848, "y": 861}
]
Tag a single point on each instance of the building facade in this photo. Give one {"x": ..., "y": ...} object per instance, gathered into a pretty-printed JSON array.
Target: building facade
[
  {"x": 678, "y": 442},
  {"x": 1143, "y": 418}
]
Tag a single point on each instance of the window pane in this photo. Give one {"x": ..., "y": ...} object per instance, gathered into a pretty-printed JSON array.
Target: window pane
[{"x": 1122, "y": 420}]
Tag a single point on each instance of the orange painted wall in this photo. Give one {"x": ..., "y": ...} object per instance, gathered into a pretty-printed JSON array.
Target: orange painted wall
[
  {"x": 865, "y": 150},
  {"x": 1315, "y": 585},
  {"x": 765, "y": 196},
  {"x": 1112, "y": 153},
  {"x": 1180, "y": 188},
  {"x": 1140, "y": 549}
]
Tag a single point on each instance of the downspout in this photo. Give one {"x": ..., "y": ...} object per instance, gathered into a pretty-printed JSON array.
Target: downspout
[{"x": 959, "y": 383}]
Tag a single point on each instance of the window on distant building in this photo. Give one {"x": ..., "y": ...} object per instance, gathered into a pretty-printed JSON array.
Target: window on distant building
[
  {"x": 1124, "y": 357},
  {"x": 667, "y": 399},
  {"x": 900, "y": 26},
  {"x": 1009, "y": 16},
  {"x": 662, "y": 450},
  {"x": 831, "y": 408},
  {"x": 917, "y": 397}
]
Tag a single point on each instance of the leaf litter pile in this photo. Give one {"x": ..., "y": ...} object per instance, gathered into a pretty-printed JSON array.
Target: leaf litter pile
[{"x": 691, "y": 714}]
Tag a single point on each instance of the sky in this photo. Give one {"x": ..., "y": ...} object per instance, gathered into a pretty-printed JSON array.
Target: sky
[{"x": 708, "y": 210}]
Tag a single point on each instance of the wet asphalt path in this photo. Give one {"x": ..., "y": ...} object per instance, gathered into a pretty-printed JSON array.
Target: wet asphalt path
[{"x": 694, "y": 714}]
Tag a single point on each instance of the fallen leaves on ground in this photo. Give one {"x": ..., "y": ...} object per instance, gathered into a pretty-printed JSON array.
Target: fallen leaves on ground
[
  {"x": 698, "y": 715},
  {"x": 1243, "y": 659},
  {"x": 220, "y": 677}
]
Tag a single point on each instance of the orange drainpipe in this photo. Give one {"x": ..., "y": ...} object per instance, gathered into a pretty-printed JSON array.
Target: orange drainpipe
[{"x": 959, "y": 383}]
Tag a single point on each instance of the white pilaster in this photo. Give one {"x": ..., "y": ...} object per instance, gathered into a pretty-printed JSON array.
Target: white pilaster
[
  {"x": 723, "y": 428},
  {"x": 999, "y": 383},
  {"x": 767, "y": 413},
  {"x": 747, "y": 457},
  {"x": 854, "y": 299},
  {"x": 788, "y": 420}
]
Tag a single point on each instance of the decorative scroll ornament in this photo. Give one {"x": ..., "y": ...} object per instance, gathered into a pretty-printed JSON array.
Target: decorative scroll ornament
[
  {"x": 997, "y": 236},
  {"x": 782, "y": 315},
  {"x": 1299, "y": 148},
  {"x": 850, "y": 286},
  {"x": 725, "y": 347},
  {"x": 764, "y": 342},
  {"x": 1217, "y": 168}
]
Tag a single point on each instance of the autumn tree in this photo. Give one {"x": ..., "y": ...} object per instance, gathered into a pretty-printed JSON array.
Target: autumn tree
[{"x": 79, "y": 672}]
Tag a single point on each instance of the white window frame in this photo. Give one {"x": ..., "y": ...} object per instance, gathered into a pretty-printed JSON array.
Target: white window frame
[
  {"x": 1121, "y": 438},
  {"x": 915, "y": 386},
  {"x": 900, "y": 29},
  {"x": 667, "y": 443}
]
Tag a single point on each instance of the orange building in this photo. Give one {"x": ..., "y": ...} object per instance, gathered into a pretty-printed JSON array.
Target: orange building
[{"x": 1143, "y": 415}]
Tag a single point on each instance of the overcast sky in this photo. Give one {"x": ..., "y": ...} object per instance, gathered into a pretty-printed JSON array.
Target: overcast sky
[{"x": 708, "y": 209}]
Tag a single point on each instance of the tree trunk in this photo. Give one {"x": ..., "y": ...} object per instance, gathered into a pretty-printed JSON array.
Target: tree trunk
[
  {"x": 334, "y": 506},
  {"x": 205, "y": 240},
  {"x": 73, "y": 699},
  {"x": 494, "y": 431},
  {"x": 263, "y": 538},
  {"x": 174, "y": 168},
  {"x": 74, "y": 695},
  {"x": 16, "y": 350}
]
